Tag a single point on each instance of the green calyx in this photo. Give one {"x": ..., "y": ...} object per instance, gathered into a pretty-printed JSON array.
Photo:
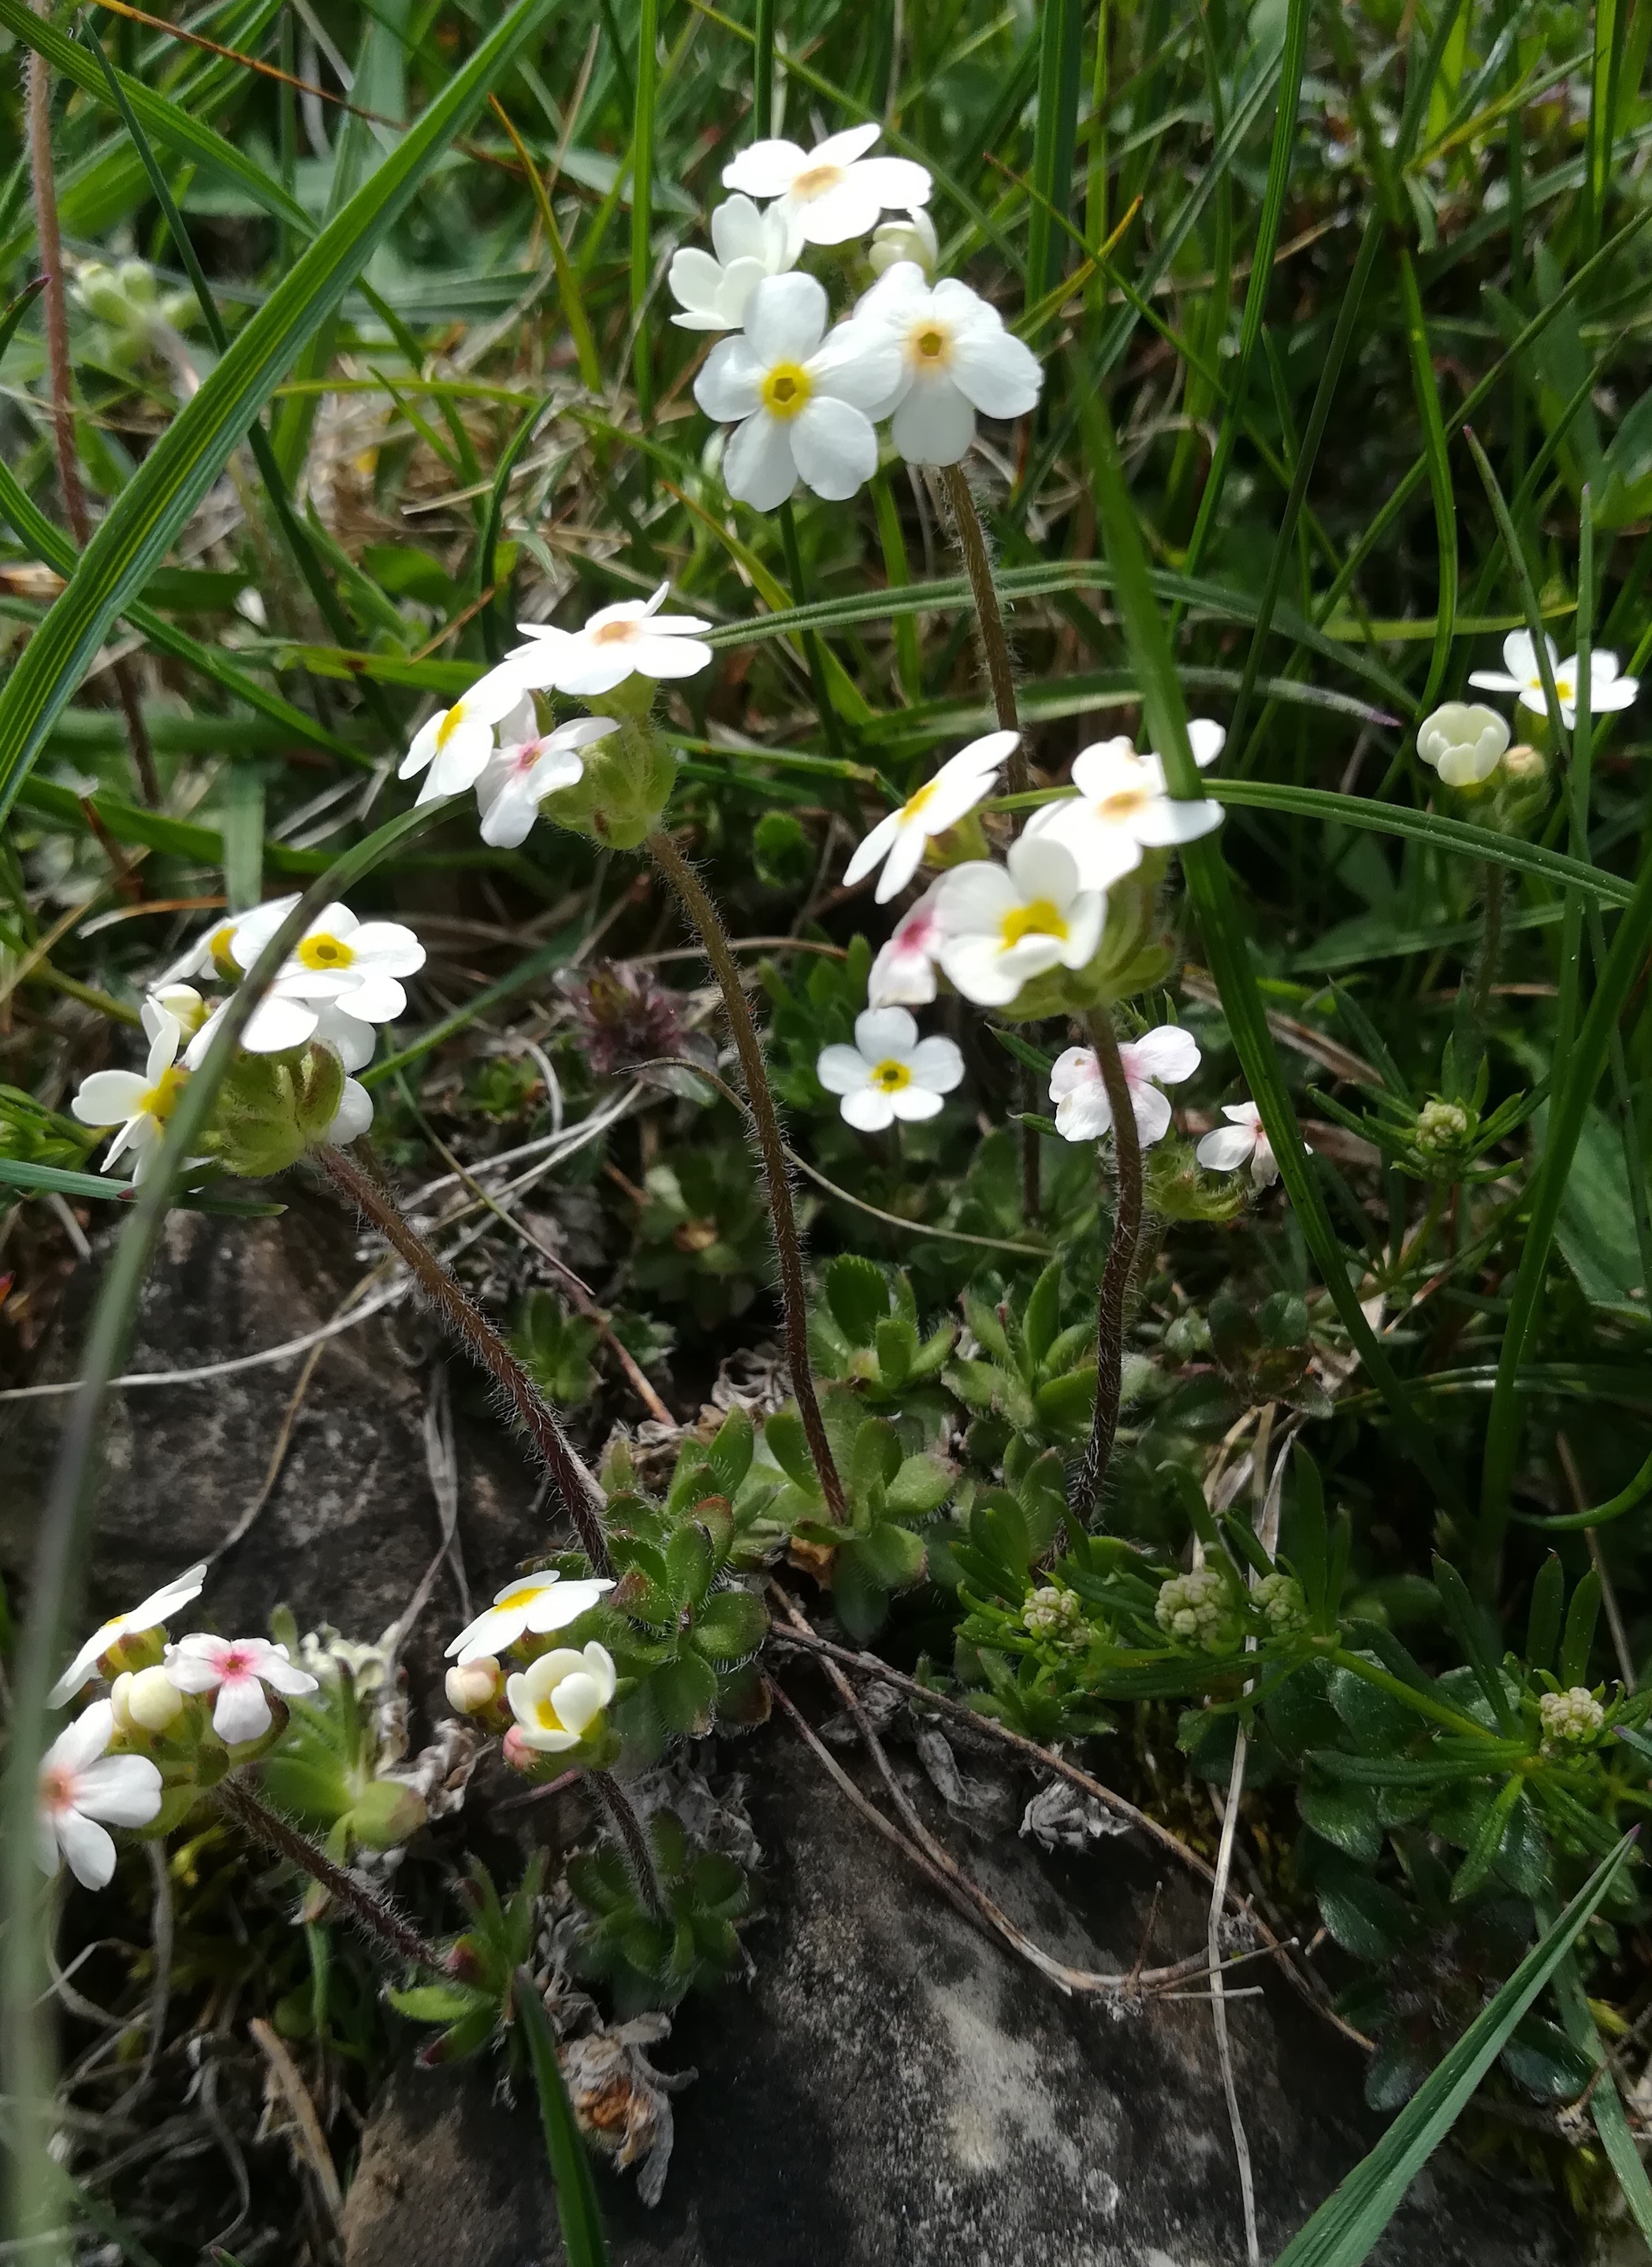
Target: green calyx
[
  {"x": 629, "y": 777},
  {"x": 272, "y": 1108}
]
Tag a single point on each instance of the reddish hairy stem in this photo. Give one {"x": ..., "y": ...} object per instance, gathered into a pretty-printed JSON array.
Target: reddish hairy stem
[{"x": 370, "y": 1906}]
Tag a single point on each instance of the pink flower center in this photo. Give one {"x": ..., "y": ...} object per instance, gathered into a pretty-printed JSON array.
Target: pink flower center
[
  {"x": 235, "y": 1663},
  {"x": 524, "y": 758},
  {"x": 57, "y": 1791}
]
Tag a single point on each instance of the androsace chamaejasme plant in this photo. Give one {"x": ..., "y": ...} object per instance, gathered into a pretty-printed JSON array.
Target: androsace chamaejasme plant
[{"x": 907, "y": 758}]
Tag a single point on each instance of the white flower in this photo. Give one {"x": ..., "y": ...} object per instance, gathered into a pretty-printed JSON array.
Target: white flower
[
  {"x": 1001, "y": 926},
  {"x": 477, "y": 1684},
  {"x": 1463, "y": 742},
  {"x": 1521, "y": 676},
  {"x": 749, "y": 245},
  {"x": 145, "y": 1700},
  {"x": 530, "y": 1608},
  {"x": 955, "y": 358},
  {"x": 1163, "y": 1057},
  {"x": 339, "y": 962},
  {"x": 890, "y": 1072},
  {"x": 354, "y": 1117},
  {"x": 940, "y": 803},
  {"x": 1240, "y": 1141},
  {"x": 903, "y": 974},
  {"x": 139, "y": 1103},
  {"x": 456, "y": 743},
  {"x": 149, "y": 1614},
  {"x": 630, "y": 639},
  {"x": 558, "y": 1697},
  {"x": 911, "y": 238},
  {"x": 522, "y": 773},
  {"x": 831, "y": 193},
  {"x": 238, "y": 1671},
  {"x": 799, "y": 407},
  {"x": 1124, "y": 807},
  {"x": 81, "y": 1783},
  {"x": 210, "y": 953},
  {"x": 181, "y": 1003}
]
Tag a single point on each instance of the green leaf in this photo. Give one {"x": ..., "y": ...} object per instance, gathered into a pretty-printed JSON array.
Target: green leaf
[
  {"x": 689, "y": 1562},
  {"x": 876, "y": 1456},
  {"x": 1043, "y": 1315},
  {"x": 730, "y": 1627},
  {"x": 784, "y": 1438},
  {"x": 1343, "y": 1815},
  {"x": 1345, "y": 2229},
  {"x": 858, "y": 1296},
  {"x": 1581, "y": 1617},
  {"x": 578, "y": 2212},
  {"x": 921, "y": 1485},
  {"x": 892, "y": 1555},
  {"x": 181, "y": 468},
  {"x": 1543, "y": 1624}
]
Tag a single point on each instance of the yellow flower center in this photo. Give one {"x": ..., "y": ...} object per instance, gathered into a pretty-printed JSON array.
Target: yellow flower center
[
  {"x": 325, "y": 951},
  {"x": 1565, "y": 685},
  {"x": 523, "y": 1595},
  {"x": 546, "y": 1716},
  {"x": 890, "y": 1076},
  {"x": 162, "y": 1098},
  {"x": 450, "y": 724},
  {"x": 218, "y": 948},
  {"x": 815, "y": 182},
  {"x": 931, "y": 347},
  {"x": 917, "y": 803},
  {"x": 1039, "y": 919},
  {"x": 786, "y": 388},
  {"x": 1127, "y": 800},
  {"x": 620, "y": 633}
]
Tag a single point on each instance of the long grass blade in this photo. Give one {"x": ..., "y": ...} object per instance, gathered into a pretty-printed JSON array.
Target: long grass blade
[{"x": 577, "y": 2211}]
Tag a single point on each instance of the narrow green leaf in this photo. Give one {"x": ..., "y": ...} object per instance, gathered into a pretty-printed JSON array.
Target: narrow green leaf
[{"x": 577, "y": 2211}]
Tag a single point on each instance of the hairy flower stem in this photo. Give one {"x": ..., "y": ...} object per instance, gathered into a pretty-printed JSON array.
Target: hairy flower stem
[
  {"x": 788, "y": 1243},
  {"x": 465, "y": 1323},
  {"x": 61, "y": 371},
  {"x": 370, "y": 1906},
  {"x": 630, "y": 1829},
  {"x": 1115, "y": 1276}
]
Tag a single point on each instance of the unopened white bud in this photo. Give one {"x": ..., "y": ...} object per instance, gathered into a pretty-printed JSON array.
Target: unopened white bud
[
  {"x": 475, "y": 1685},
  {"x": 912, "y": 237},
  {"x": 145, "y": 1700}
]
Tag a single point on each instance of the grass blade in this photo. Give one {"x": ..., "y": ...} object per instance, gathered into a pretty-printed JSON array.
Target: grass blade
[{"x": 577, "y": 2210}]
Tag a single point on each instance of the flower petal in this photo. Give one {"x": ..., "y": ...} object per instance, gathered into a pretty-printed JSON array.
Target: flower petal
[
  {"x": 848, "y": 210},
  {"x": 109, "y": 1097},
  {"x": 758, "y": 466},
  {"x": 1168, "y": 1054},
  {"x": 121, "y": 1790},
  {"x": 933, "y": 424},
  {"x": 883, "y": 1032},
  {"x": 766, "y": 169},
  {"x": 936, "y": 1065},
  {"x": 834, "y": 448},
  {"x": 242, "y": 1711},
  {"x": 727, "y": 388},
  {"x": 841, "y": 1069},
  {"x": 1226, "y": 1149},
  {"x": 1152, "y": 1115},
  {"x": 89, "y": 1848},
  {"x": 876, "y": 846},
  {"x": 998, "y": 373},
  {"x": 786, "y": 319},
  {"x": 868, "y": 1109}
]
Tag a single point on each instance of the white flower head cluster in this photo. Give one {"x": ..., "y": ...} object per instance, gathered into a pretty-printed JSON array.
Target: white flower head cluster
[
  {"x": 805, "y": 399},
  {"x": 1571, "y": 1719}
]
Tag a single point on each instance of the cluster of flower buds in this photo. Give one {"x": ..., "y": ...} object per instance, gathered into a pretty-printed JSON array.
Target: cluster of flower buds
[
  {"x": 288, "y": 1088},
  {"x": 552, "y": 1705},
  {"x": 175, "y": 1719}
]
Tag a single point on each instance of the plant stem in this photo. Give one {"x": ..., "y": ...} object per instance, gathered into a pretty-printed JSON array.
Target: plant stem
[
  {"x": 370, "y": 1906},
  {"x": 61, "y": 374},
  {"x": 813, "y": 650},
  {"x": 1115, "y": 1275},
  {"x": 1491, "y": 947},
  {"x": 464, "y": 1322},
  {"x": 763, "y": 72},
  {"x": 631, "y": 1832},
  {"x": 788, "y": 1243},
  {"x": 971, "y": 541}
]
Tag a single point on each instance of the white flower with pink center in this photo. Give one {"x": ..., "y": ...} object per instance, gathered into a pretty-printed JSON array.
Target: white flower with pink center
[
  {"x": 630, "y": 639},
  {"x": 243, "y": 1671},
  {"x": 82, "y": 1790},
  {"x": 903, "y": 974},
  {"x": 1156, "y": 1059},
  {"x": 1241, "y": 1141},
  {"x": 521, "y": 773}
]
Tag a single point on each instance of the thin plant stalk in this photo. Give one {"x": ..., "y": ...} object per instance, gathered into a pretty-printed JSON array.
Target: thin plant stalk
[
  {"x": 465, "y": 1323},
  {"x": 763, "y": 72},
  {"x": 375, "y": 1912},
  {"x": 1491, "y": 949},
  {"x": 1116, "y": 1273},
  {"x": 633, "y": 1836},
  {"x": 788, "y": 1243},
  {"x": 61, "y": 371},
  {"x": 971, "y": 541}
]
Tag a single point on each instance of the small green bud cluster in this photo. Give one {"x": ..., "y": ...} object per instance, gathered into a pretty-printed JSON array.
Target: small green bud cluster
[
  {"x": 1442, "y": 1126},
  {"x": 1196, "y": 1610},
  {"x": 129, "y": 298},
  {"x": 1055, "y": 1615},
  {"x": 1279, "y": 1597},
  {"x": 1570, "y": 1719}
]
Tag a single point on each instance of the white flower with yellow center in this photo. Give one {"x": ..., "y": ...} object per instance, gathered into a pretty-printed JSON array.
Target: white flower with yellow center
[
  {"x": 1123, "y": 807},
  {"x": 798, "y": 400},
  {"x": 138, "y": 1104},
  {"x": 1158, "y": 1058},
  {"x": 340, "y": 962},
  {"x": 151, "y": 1613},
  {"x": 712, "y": 292},
  {"x": 955, "y": 358},
  {"x": 82, "y": 1791},
  {"x": 209, "y": 955},
  {"x": 522, "y": 773},
  {"x": 962, "y": 782},
  {"x": 1001, "y": 926},
  {"x": 453, "y": 746},
  {"x": 889, "y": 1072},
  {"x": 1463, "y": 741},
  {"x": 532, "y": 1607},
  {"x": 631, "y": 639},
  {"x": 1521, "y": 676},
  {"x": 557, "y": 1698},
  {"x": 833, "y": 193}
]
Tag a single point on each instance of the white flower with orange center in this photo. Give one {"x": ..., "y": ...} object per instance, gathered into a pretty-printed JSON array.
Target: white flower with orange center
[
  {"x": 520, "y": 776},
  {"x": 353, "y": 966},
  {"x": 82, "y": 1790},
  {"x": 137, "y": 1104},
  {"x": 1521, "y": 676},
  {"x": 898, "y": 840},
  {"x": 890, "y": 1072},
  {"x": 955, "y": 358},
  {"x": 453, "y": 746},
  {"x": 631, "y": 639},
  {"x": 1001, "y": 926},
  {"x": 532, "y": 1607},
  {"x": 1162, "y": 1058},
  {"x": 558, "y": 1699},
  {"x": 712, "y": 292},
  {"x": 1123, "y": 807},
  {"x": 798, "y": 400},
  {"x": 833, "y": 193},
  {"x": 243, "y": 1671},
  {"x": 149, "y": 1614}
]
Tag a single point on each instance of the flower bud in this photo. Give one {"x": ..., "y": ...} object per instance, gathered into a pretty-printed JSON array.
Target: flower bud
[
  {"x": 146, "y": 1700},
  {"x": 912, "y": 237},
  {"x": 1463, "y": 741},
  {"x": 475, "y": 1685},
  {"x": 270, "y": 1109},
  {"x": 1570, "y": 1719},
  {"x": 629, "y": 777}
]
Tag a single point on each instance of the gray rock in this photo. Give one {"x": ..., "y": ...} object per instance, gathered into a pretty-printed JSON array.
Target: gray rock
[{"x": 893, "y": 2090}]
